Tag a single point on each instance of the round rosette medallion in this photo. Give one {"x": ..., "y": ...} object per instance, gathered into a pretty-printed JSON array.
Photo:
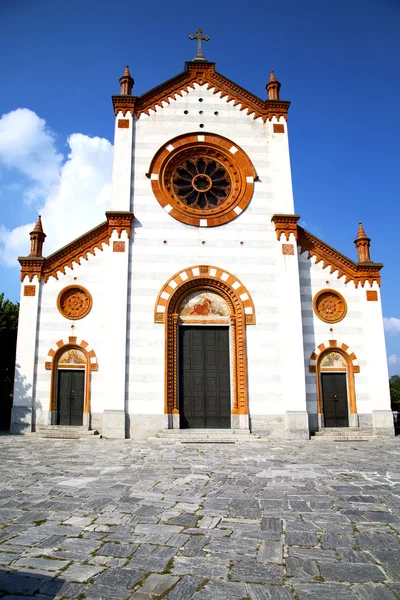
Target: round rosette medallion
[
  {"x": 202, "y": 180},
  {"x": 74, "y": 302},
  {"x": 330, "y": 306}
]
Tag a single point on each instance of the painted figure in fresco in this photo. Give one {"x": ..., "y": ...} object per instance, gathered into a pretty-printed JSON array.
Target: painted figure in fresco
[
  {"x": 72, "y": 357},
  {"x": 202, "y": 307}
]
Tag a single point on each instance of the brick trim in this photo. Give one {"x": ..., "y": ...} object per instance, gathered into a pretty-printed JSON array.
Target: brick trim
[{"x": 205, "y": 274}]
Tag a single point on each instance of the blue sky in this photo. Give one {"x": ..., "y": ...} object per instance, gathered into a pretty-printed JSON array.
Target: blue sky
[{"x": 338, "y": 62}]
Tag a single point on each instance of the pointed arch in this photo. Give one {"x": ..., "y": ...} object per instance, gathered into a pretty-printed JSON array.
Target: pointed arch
[
  {"x": 242, "y": 312},
  {"x": 352, "y": 368}
]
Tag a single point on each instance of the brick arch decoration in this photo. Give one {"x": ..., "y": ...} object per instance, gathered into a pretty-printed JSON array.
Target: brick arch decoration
[
  {"x": 208, "y": 273},
  {"x": 52, "y": 362},
  {"x": 242, "y": 312},
  {"x": 352, "y": 368}
]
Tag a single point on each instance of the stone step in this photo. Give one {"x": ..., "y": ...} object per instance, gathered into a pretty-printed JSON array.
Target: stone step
[
  {"x": 203, "y": 436},
  {"x": 344, "y": 434},
  {"x": 64, "y": 432}
]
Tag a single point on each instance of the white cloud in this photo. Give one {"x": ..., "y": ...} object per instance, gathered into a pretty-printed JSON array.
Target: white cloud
[
  {"x": 393, "y": 359},
  {"x": 77, "y": 192},
  {"x": 391, "y": 325},
  {"x": 27, "y": 145}
]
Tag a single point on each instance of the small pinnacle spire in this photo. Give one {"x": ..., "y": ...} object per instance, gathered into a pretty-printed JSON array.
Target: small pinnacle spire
[
  {"x": 361, "y": 233},
  {"x": 126, "y": 82},
  {"x": 38, "y": 226},
  {"x": 273, "y": 86},
  {"x": 362, "y": 243},
  {"x": 37, "y": 236}
]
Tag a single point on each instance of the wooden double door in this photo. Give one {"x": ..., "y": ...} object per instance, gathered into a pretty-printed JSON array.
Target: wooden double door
[
  {"x": 204, "y": 378},
  {"x": 334, "y": 398},
  {"x": 70, "y": 397}
]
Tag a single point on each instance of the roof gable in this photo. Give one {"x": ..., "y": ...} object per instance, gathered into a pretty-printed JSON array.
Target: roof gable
[{"x": 202, "y": 73}]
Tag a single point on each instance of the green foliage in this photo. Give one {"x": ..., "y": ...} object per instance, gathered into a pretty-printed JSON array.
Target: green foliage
[
  {"x": 8, "y": 342},
  {"x": 394, "y": 382},
  {"x": 8, "y": 315}
]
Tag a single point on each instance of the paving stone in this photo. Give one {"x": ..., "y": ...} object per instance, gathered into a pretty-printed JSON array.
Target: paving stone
[
  {"x": 254, "y": 572},
  {"x": 58, "y": 588},
  {"x": 393, "y": 570},
  {"x": 40, "y": 564},
  {"x": 217, "y": 590},
  {"x": 81, "y": 573},
  {"x": 300, "y": 538},
  {"x": 233, "y": 546},
  {"x": 332, "y": 540},
  {"x": 324, "y": 591},
  {"x": 304, "y": 569},
  {"x": 269, "y": 592},
  {"x": 209, "y": 567},
  {"x": 103, "y": 592},
  {"x": 270, "y": 552},
  {"x": 340, "y": 571},
  {"x": 185, "y": 588},
  {"x": 371, "y": 591},
  {"x": 154, "y": 586},
  {"x": 312, "y": 553},
  {"x": 111, "y": 549},
  {"x": 120, "y": 578},
  {"x": 378, "y": 541},
  {"x": 353, "y": 556}
]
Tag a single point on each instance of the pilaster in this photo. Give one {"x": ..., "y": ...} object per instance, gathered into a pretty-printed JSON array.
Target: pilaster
[
  {"x": 24, "y": 382},
  {"x": 115, "y": 327},
  {"x": 292, "y": 356},
  {"x": 122, "y": 163}
]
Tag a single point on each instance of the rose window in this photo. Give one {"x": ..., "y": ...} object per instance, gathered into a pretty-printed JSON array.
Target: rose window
[{"x": 201, "y": 183}]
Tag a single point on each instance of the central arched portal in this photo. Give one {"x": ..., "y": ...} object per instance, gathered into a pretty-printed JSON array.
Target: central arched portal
[
  {"x": 204, "y": 365},
  {"x": 205, "y": 311}
]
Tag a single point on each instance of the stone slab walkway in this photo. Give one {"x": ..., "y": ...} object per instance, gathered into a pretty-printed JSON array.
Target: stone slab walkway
[{"x": 263, "y": 520}]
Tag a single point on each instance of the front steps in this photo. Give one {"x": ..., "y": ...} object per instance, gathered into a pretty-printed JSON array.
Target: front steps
[
  {"x": 203, "y": 436},
  {"x": 344, "y": 434},
  {"x": 64, "y": 432}
]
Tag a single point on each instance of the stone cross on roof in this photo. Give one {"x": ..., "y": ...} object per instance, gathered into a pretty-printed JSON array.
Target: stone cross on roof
[{"x": 199, "y": 37}]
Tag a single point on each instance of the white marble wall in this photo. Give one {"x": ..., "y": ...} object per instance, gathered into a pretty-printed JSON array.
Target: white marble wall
[{"x": 361, "y": 330}]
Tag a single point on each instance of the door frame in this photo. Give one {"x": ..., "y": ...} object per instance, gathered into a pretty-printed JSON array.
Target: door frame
[
  {"x": 51, "y": 364},
  {"x": 352, "y": 367},
  {"x": 337, "y": 372},
  {"x": 203, "y": 325},
  {"x": 57, "y": 390}
]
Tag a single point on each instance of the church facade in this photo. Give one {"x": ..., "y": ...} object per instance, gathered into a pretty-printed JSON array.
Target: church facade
[{"x": 200, "y": 302}]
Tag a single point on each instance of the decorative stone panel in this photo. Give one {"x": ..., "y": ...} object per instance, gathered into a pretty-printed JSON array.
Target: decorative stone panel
[
  {"x": 123, "y": 123},
  {"x": 74, "y": 302},
  {"x": 329, "y": 306},
  {"x": 278, "y": 128},
  {"x": 288, "y": 249},
  {"x": 29, "y": 290},
  {"x": 372, "y": 295},
  {"x": 118, "y": 246}
]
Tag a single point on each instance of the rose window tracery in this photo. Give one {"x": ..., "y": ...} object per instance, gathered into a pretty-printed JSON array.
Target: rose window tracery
[
  {"x": 74, "y": 302},
  {"x": 201, "y": 182},
  {"x": 330, "y": 306},
  {"x": 202, "y": 179}
]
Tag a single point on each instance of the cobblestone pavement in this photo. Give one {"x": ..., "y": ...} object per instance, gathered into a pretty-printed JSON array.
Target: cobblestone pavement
[{"x": 275, "y": 520}]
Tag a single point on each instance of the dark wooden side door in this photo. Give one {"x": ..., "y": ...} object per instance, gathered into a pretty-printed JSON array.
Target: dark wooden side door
[
  {"x": 334, "y": 394},
  {"x": 70, "y": 397},
  {"x": 204, "y": 381}
]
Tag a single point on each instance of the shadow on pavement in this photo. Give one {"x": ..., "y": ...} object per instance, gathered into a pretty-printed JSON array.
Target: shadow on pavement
[{"x": 18, "y": 585}]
